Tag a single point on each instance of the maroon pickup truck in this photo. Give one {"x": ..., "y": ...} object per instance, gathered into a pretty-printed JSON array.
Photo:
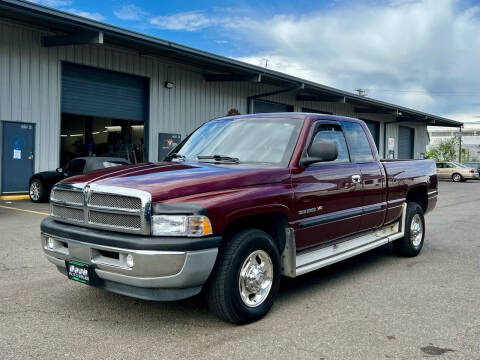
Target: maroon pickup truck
[{"x": 239, "y": 203}]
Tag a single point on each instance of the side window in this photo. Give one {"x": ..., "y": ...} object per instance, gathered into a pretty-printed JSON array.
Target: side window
[
  {"x": 333, "y": 134},
  {"x": 449, "y": 165},
  {"x": 75, "y": 166},
  {"x": 357, "y": 141},
  {"x": 440, "y": 166}
]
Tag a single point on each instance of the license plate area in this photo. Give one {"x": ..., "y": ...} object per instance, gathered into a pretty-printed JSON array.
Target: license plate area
[{"x": 79, "y": 271}]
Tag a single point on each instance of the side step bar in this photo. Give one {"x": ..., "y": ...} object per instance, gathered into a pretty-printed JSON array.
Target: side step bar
[{"x": 294, "y": 265}]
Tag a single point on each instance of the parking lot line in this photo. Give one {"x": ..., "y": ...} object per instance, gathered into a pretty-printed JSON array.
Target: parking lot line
[{"x": 30, "y": 211}]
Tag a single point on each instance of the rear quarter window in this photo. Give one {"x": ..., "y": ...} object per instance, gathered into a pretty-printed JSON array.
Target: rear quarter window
[{"x": 360, "y": 150}]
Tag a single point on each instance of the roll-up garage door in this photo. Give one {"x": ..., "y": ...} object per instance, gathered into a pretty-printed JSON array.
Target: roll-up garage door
[
  {"x": 406, "y": 137},
  {"x": 95, "y": 92},
  {"x": 261, "y": 106}
]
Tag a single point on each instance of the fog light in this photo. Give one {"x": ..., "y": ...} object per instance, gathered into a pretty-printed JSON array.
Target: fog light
[
  {"x": 50, "y": 243},
  {"x": 130, "y": 261}
]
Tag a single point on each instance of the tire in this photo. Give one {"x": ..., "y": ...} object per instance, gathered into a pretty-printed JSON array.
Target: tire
[
  {"x": 411, "y": 244},
  {"x": 457, "y": 177},
  {"x": 244, "y": 253},
  {"x": 36, "y": 191}
]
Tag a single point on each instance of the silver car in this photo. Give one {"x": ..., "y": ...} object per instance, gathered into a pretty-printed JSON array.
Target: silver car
[{"x": 455, "y": 171}]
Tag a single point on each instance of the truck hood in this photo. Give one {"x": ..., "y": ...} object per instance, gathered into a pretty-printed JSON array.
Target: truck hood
[{"x": 168, "y": 180}]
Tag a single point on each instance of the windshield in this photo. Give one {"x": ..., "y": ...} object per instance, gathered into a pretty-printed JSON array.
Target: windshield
[
  {"x": 461, "y": 165},
  {"x": 246, "y": 140}
]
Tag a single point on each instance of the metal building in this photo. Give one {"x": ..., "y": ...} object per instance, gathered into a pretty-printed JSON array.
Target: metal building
[{"x": 72, "y": 86}]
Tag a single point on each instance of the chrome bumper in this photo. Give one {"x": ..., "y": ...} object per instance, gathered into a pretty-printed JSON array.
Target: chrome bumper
[{"x": 152, "y": 270}]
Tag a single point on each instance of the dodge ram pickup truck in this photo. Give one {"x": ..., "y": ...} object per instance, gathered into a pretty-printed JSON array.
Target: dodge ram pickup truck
[{"x": 238, "y": 204}]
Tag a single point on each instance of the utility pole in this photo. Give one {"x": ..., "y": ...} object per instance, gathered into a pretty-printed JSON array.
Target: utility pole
[{"x": 460, "y": 146}]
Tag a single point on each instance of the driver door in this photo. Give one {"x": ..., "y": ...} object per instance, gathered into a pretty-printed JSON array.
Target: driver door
[{"x": 327, "y": 195}]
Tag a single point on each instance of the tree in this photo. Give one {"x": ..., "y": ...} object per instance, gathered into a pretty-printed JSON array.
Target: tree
[{"x": 446, "y": 150}]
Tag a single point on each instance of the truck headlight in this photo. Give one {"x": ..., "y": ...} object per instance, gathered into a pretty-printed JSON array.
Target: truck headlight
[{"x": 181, "y": 225}]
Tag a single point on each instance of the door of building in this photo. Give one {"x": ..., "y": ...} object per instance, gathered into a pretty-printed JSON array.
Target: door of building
[
  {"x": 406, "y": 137},
  {"x": 17, "y": 156}
]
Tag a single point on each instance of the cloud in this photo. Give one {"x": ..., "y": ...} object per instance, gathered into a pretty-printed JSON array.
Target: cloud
[
  {"x": 52, "y": 3},
  {"x": 423, "y": 54},
  {"x": 94, "y": 16},
  {"x": 130, "y": 12},
  {"x": 188, "y": 21}
]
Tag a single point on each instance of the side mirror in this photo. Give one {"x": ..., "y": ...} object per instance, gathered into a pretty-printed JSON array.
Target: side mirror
[
  {"x": 59, "y": 170},
  {"x": 320, "y": 151}
]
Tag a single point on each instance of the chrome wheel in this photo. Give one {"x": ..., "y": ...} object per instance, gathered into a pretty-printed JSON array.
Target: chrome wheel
[
  {"x": 457, "y": 178},
  {"x": 35, "y": 191},
  {"x": 255, "y": 281},
  {"x": 416, "y": 230}
]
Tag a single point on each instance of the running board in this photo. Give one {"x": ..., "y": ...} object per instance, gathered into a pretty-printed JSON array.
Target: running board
[{"x": 294, "y": 265}]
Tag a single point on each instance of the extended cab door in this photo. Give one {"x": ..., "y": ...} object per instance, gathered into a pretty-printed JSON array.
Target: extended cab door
[
  {"x": 327, "y": 195},
  {"x": 373, "y": 178}
]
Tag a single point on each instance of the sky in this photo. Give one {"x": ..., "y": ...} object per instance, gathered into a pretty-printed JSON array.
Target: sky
[{"x": 419, "y": 54}]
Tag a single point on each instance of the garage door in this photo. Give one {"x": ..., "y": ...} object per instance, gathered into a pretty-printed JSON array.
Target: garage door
[
  {"x": 406, "y": 137},
  {"x": 95, "y": 92},
  {"x": 261, "y": 106}
]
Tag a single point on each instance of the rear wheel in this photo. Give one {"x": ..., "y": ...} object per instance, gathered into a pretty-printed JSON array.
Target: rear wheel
[
  {"x": 411, "y": 244},
  {"x": 37, "y": 191},
  {"x": 246, "y": 279},
  {"x": 457, "y": 177}
]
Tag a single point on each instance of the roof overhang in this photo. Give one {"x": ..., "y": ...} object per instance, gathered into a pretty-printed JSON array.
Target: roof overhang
[{"x": 66, "y": 29}]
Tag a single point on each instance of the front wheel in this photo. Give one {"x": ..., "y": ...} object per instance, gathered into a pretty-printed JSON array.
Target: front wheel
[
  {"x": 246, "y": 279},
  {"x": 36, "y": 191},
  {"x": 411, "y": 244}
]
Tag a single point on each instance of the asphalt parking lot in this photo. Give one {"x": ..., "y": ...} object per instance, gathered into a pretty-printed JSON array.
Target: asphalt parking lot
[{"x": 374, "y": 306}]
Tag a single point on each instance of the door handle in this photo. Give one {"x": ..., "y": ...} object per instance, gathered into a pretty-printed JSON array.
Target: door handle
[
  {"x": 356, "y": 179},
  {"x": 30, "y": 157}
]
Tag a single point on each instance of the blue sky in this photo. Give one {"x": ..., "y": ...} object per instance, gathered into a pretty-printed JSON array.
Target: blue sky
[{"x": 418, "y": 53}]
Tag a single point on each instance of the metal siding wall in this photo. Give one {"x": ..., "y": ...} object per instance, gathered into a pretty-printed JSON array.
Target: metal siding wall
[{"x": 30, "y": 86}]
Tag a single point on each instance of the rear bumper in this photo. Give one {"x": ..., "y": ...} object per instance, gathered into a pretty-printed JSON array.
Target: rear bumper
[
  {"x": 159, "y": 274},
  {"x": 471, "y": 176}
]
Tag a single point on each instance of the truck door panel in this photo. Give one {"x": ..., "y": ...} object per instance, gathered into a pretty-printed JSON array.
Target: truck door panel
[
  {"x": 327, "y": 201},
  {"x": 374, "y": 195},
  {"x": 373, "y": 179}
]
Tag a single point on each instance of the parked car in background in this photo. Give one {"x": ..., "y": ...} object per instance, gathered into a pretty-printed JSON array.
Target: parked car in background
[
  {"x": 455, "y": 171},
  {"x": 41, "y": 183},
  {"x": 475, "y": 165}
]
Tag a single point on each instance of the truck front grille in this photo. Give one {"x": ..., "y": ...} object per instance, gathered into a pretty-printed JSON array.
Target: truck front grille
[
  {"x": 115, "y": 201},
  {"x": 72, "y": 197},
  {"x": 123, "y": 221},
  {"x": 68, "y": 213},
  {"x": 112, "y": 208}
]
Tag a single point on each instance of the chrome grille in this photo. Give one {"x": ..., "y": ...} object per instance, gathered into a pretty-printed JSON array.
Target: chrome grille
[
  {"x": 65, "y": 212},
  {"x": 107, "y": 207},
  {"x": 115, "y": 201},
  {"x": 115, "y": 220},
  {"x": 73, "y": 197}
]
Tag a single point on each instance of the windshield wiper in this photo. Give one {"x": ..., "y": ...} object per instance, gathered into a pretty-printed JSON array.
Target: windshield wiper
[
  {"x": 176, "y": 156},
  {"x": 219, "y": 158}
]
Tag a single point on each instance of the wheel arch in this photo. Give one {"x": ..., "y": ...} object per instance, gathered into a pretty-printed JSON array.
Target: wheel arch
[
  {"x": 419, "y": 195},
  {"x": 273, "y": 223}
]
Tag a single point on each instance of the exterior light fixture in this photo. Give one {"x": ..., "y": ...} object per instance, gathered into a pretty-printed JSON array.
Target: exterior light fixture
[{"x": 169, "y": 85}]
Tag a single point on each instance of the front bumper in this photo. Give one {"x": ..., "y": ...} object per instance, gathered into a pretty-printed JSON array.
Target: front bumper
[{"x": 161, "y": 273}]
